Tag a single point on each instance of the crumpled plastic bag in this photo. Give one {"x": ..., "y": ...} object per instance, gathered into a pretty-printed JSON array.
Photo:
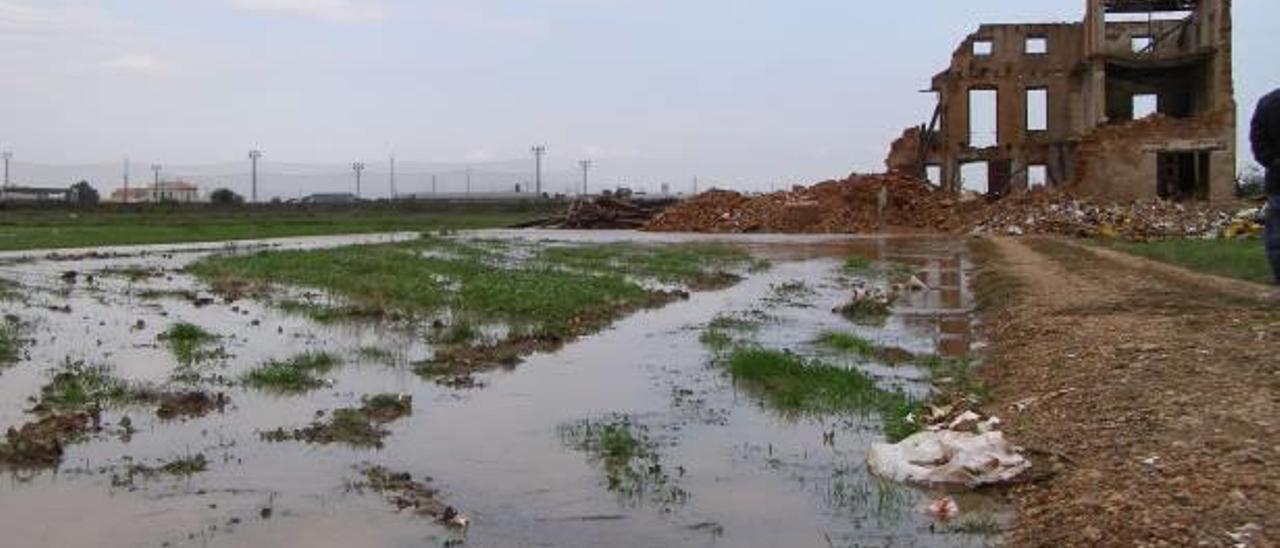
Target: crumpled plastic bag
[{"x": 949, "y": 457}]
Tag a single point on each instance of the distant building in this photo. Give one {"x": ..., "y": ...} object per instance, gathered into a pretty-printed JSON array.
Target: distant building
[
  {"x": 34, "y": 194},
  {"x": 165, "y": 191},
  {"x": 331, "y": 198}
]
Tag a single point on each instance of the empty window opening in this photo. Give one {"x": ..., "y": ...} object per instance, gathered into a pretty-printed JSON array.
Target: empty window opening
[
  {"x": 1037, "y": 176},
  {"x": 933, "y": 174},
  {"x": 974, "y": 177},
  {"x": 1037, "y": 109},
  {"x": 1140, "y": 44},
  {"x": 1145, "y": 104},
  {"x": 1037, "y": 45},
  {"x": 983, "y": 128},
  {"x": 1147, "y": 16},
  {"x": 1182, "y": 175},
  {"x": 983, "y": 48}
]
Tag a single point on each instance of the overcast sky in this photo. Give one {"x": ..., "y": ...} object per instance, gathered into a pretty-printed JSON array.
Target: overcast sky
[{"x": 757, "y": 92}]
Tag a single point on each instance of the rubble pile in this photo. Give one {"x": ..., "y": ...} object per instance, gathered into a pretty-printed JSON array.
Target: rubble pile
[
  {"x": 894, "y": 202},
  {"x": 603, "y": 213},
  {"x": 1051, "y": 212},
  {"x": 861, "y": 203}
]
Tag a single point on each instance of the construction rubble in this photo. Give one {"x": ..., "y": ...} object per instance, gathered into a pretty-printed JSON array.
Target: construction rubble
[
  {"x": 899, "y": 203},
  {"x": 604, "y": 213}
]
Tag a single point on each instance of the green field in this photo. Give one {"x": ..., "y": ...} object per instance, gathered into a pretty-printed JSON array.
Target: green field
[
  {"x": 1240, "y": 259},
  {"x": 47, "y": 229}
]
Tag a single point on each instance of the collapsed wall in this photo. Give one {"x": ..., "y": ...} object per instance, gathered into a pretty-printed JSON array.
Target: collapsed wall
[{"x": 1064, "y": 105}]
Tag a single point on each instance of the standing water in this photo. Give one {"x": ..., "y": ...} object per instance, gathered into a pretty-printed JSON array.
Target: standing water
[{"x": 528, "y": 454}]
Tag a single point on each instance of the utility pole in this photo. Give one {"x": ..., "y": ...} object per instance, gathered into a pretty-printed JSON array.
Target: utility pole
[
  {"x": 7, "y": 156},
  {"x": 695, "y": 185},
  {"x": 538, "y": 152},
  {"x": 126, "y": 179},
  {"x": 468, "y": 180},
  {"x": 155, "y": 168},
  {"x": 358, "y": 167},
  {"x": 586, "y": 166},
  {"x": 433, "y": 184},
  {"x": 253, "y": 156},
  {"x": 392, "y": 177}
]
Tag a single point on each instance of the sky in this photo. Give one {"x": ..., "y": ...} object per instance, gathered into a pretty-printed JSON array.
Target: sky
[{"x": 751, "y": 94}]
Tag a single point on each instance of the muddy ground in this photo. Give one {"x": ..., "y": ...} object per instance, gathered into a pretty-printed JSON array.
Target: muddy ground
[
  {"x": 1155, "y": 391},
  {"x": 632, "y": 434}
]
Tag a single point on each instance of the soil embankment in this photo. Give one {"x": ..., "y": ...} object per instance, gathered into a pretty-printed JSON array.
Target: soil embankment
[{"x": 1158, "y": 395}]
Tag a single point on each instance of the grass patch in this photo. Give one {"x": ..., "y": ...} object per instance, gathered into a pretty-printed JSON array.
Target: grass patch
[
  {"x": 460, "y": 332},
  {"x": 1239, "y": 259},
  {"x": 41, "y": 229},
  {"x": 792, "y": 384},
  {"x": 399, "y": 277},
  {"x": 866, "y": 268},
  {"x": 700, "y": 266},
  {"x": 629, "y": 457},
  {"x": 868, "y": 310},
  {"x": 185, "y": 340},
  {"x": 8, "y": 290},
  {"x": 78, "y": 386},
  {"x": 297, "y": 374},
  {"x": 9, "y": 340},
  {"x": 376, "y": 354},
  {"x": 716, "y": 339},
  {"x": 848, "y": 343},
  {"x": 955, "y": 375}
]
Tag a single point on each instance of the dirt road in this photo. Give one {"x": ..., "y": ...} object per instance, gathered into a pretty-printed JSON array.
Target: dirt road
[{"x": 1159, "y": 395}]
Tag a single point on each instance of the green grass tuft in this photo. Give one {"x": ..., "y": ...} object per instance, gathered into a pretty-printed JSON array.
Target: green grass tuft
[
  {"x": 77, "y": 386},
  {"x": 847, "y": 342},
  {"x": 1240, "y": 259},
  {"x": 184, "y": 341},
  {"x": 792, "y": 384},
  {"x": 297, "y": 374}
]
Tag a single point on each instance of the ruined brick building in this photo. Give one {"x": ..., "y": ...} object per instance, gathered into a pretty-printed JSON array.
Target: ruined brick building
[{"x": 1136, "y": 101}]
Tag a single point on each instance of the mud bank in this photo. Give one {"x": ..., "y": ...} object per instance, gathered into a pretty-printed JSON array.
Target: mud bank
[{"x": 1151, "y": 396}]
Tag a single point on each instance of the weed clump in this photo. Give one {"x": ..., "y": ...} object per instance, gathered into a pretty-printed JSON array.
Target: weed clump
[
  {"x": 9, "y": 341},
  {"x": 629, "y": 457},
  {"x": 792, "y": 384},
  {"x": 850, "y": 343},
  {"x": 358, "y": 427},
  {"x": 865, "y": 310},
  {"x": 402, "y": 491},
  {"x": 297, "y": 374},
  {"x": 78, "y": 386},
  {"x": 185, "y": 341}
]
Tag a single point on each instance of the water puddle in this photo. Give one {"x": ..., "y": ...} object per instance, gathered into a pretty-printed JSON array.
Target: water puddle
[{"x": 631, "y": 436}]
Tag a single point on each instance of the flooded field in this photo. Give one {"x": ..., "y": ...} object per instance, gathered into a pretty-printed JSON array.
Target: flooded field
[{"x": 269, "y": 413}]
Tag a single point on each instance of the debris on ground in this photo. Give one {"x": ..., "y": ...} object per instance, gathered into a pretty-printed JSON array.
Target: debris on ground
[
  {"x": 358, "y": 427},
  {"x": 405, "y": 493},
  {"x": 896, "y": 202},
  {"x": 860, "y": 203},
  {"x": 948, "y": 457},
  {"x": 604, "y": 212},
  {"x": 1054, "y": 212},
  {"x": 40, "y": 443}
]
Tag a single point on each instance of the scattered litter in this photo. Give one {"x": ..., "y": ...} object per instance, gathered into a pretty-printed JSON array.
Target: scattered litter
[
  {"x": 944, "y": 457},
  {"x": 944, "y": 509}
]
